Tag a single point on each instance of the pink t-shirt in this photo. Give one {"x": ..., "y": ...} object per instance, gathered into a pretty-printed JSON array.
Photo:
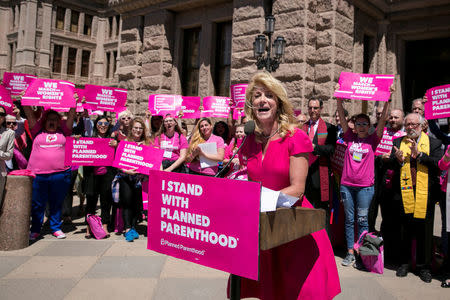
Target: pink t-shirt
[
  {"x": 195, "y": 165},
  {"x": 444, "y": 166},
  {"x": 359, "y": 160},
  {"x": 48, "y": 152},
  {"x": 171, "y": 145}
]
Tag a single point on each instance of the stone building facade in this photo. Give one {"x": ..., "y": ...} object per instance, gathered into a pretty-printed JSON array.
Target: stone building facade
[
  {"x": 172, "y": 46},
  {"x": 70, "y": 40}
]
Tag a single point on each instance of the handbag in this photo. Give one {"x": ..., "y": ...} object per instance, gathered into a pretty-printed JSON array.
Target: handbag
[
  {"x": 371, "y": 250},
  {"x": 96, "y": 226}
]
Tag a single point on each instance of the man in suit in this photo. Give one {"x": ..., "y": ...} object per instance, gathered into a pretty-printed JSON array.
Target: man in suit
[
  {"x": 323, "y": 136},
  {"x": 414, "y": 161}
]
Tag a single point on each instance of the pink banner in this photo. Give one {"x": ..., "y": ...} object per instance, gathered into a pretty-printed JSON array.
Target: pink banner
[
  {"x": 17, "y": 82},
  {"x": 210, "y": 221},
  {"x": 337, "y": 161},
  {"x": 238, "y": 113},
  {"x": 105, "y": 98},
  {"x": 438, "y": 102},
  {"x": 238, "y": 94},
  {"x": 130, "y": 155},
  {"x": 145, "y": 195},
  {"x": 374, "y": 87},
  {"x": 190, "y": 107},
  {"x": 50, "y": 93},
  {"x": 386, "y": 142},
  {"x": 5, "y": 100},
  {"x": 217, "y": 107},
  {"x": 88, "y": 152},
  {"x": 161, "y": 105},
  {"x": 79, "y": 104}
]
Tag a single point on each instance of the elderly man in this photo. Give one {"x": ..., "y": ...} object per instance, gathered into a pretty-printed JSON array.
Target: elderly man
[
  {"x": 323, "y": 137},
  {"x": 414, "y": 161},
  {"x": 418, "y": 108}
]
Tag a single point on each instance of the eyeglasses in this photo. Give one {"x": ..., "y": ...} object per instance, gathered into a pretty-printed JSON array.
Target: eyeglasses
[
  {"x": 11, "y": 123},
  {"x": 103, "y": 123},
  {"x": 414, "y": 125},
  {"x": 2, "y": 114},
  {"x": 362, "y": 124},
  {"x": 138, "y": 128}
]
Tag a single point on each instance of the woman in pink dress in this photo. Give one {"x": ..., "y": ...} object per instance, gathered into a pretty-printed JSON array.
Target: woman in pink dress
[{"x": 277, "y": 156}]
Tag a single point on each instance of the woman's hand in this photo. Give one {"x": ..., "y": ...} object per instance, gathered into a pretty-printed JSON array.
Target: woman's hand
[
  {"x": 112, "y": 143},
  {"x": 148, "y": 114},
  {"x": 132, "y": 171},
  {"x": 77, "y": 137}
]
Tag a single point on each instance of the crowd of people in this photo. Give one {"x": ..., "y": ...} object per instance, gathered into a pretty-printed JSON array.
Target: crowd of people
[{"x": 405, "y": 180}]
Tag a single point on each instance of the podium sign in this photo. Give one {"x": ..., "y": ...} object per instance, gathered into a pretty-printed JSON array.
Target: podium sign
[{"x": 209, "y": 221}]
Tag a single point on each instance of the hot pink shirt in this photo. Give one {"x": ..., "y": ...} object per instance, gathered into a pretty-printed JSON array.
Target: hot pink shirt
[
  {"x": 171, "y": 145},
  {"x": 195, "y": 165},
  {"x": 48, "y": 152},
  {"x": 359, "y": 160},
  {"x": 443, "y": 165}
]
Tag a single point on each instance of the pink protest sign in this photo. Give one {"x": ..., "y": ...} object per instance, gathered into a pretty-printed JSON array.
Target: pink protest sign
[
  {"x": 5, "y": 100},
  {"x": 364, "y": 86},
  {"x": 160, "y": 105},
  {"x": 88, "y": 152},
  {"x": 238, "y": 94},
  {"x": 337, "y": 161},
  {"x": 438, "y": 104},
  {"x": 190, "y": 107},
  {"x": 210, "y": 221},
  {"x": 130, "y": 155},
  {"x": 238, "y": 113},
  {"x": 104, "y": 98},
  {"x": 217, "y": 107},
  {"x": 50, "y": 92},
  {"x": 297, "y": 112},
  {"x": 145, "y": 195},
  {"x": 17, "y": 82},
  {"x": 385, "y": 145}
]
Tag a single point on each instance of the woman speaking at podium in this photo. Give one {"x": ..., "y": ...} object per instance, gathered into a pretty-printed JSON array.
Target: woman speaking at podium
[{"x": 277, "y": 156}]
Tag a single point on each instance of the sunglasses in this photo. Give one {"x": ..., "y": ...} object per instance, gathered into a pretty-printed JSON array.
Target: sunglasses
[
  {"x": 362, "y": 124},
  {"x": 103, "y": 123},
  {"x": 2, "y": 114},
  {"x": 11, "y": 123},
  {"x": 125, "y": 118}
]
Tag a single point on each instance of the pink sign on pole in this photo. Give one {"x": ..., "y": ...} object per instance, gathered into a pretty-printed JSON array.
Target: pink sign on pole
[
  {"x": 374, "y": 87},
  {"x": 385, "y": 145},
  {"x": 88, "y": 152},
  {"x": 161, "y": 105},
  {"x": 210, "y": 221},
  {"x": 50, "y": 93},
  {"x": 130, "y": 155},
  {"x": 190, "y": 107},
  {"x": 217, "y": 107},
  {"x": 438, "y": 102},
  {"x": 5, "y": 100},
  {"x": 238, "y": 94},
  {"x": 104, "y": 98},
  {"x": 17, "y": 82}
]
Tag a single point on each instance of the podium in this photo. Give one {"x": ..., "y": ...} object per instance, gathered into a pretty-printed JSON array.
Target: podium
[{"x": 280, "y": 227}]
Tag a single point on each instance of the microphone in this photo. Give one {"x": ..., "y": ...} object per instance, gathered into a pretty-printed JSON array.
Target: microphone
[{"x": 249, "y": 128}]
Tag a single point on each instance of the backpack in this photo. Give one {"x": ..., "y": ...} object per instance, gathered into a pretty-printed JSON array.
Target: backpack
[{"x": 96, "y": 226}]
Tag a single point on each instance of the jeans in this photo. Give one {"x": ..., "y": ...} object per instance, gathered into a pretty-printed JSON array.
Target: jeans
[
  {"x": 53, "y": 188},
  {"x": 361, "y": 196}
]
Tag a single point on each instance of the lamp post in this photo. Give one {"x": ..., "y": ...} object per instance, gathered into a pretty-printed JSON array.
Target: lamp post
[{"x": 270, "y": 61}]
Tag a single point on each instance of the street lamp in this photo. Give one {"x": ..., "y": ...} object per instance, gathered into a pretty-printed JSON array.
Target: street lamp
[{"x": 260, "y": 46}]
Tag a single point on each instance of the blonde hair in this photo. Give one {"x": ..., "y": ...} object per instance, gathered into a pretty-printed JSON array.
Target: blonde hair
[
  {"x": 197, "y": 137},
  {"x": 285, "y": 112},
  {"x": 145, "y": 134},
  {"x": 125, "y": 113}
]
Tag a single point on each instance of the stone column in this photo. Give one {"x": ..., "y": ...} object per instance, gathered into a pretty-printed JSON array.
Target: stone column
[
  {"x": 111, "y": 65},
  {"x": 20, "y": 34},
  {"x": 119, "y": 42},
  {"x": 29, "y": 45},
  {"x": 114, "y": 28},
  {"x": 78, "y": 62},
  {"x": 44, "y": 52},
  {"x": 64, "y": 59},
  {"x": 99, "y": 60},
  {"x": 16, "y": 17},
  {"x": 81, "y": 23},
  {"x": 205, "y": 83},
  {"x": 5, "y": 17},
  {"x": 67, "y": 17}
]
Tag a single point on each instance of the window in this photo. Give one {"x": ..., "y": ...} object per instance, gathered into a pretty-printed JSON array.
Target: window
[
  {"x": 108, "y": 59},
  {"x": 60, "y": 13},
  {"x": 191, "y": 62},
  {"x": 114, "y": 62},
  {"x": 11, "y": 56},
  {"x": 85, "y": 56},
  {"x": 57, "y": 57},
  {"x": 71, "y": 61},
  {"x": 222, "y": 65},
  {"x": 87, "y": 24},
  {"x": 75, "y": 16}
]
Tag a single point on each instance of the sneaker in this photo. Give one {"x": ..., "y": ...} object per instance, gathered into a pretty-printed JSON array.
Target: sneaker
[
  {"x": 425, "y": 275},
  {"x": 33, "y": 236},
  {"x": 129, "y": 236},
  {"x": 359, "y": 265},
  {"x": 59, "y": 234},
  {"x": 348, "y": 260},
  {"x": 134, "y": 233},
  {"x": 402, "y": 271}
]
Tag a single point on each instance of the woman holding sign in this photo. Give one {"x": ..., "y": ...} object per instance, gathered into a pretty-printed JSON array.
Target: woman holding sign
[
  {"x": 277, "y": 156},
  {"x": 205, "y": 149},
  {"x": 170, "y": 139},
  {"x": 358, "y": 175},
  {"x": 47, "y": 162},
  {"x": 98, "y": 179},
  {"x": 130, "y": 183}
]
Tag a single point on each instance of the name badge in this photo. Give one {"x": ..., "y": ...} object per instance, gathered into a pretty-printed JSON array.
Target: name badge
[
  {"x": 357, "y": 156},
  {"x": 167, "y": 154}
]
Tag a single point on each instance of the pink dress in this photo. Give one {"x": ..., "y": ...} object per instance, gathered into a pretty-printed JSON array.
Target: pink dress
[{"x": 304, "y": 268}]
